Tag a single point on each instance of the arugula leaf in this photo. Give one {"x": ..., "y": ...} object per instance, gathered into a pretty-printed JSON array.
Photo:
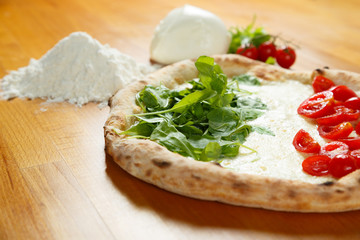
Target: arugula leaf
[
  {"x": 140, "y": 129},
  {"x": 192, "y": 98},
  {"x": 211, "y": 151},
  {"x": 262, "y": 130},
  {"x": 222, "y": 121},
  {"x": 248, "y": 102},
  {"x": 167, "y": 135},
  {"x": 247, "y": 79}
]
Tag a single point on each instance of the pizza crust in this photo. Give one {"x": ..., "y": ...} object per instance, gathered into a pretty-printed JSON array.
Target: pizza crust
[{"x": 155, "y": 164}]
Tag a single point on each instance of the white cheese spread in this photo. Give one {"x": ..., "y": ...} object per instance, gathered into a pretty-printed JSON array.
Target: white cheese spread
[{"x": 276, "y": 156}]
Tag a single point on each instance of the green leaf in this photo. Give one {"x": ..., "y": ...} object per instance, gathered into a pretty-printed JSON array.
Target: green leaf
[
  {"x": 247, "y": 80},
  {"x": 262, "y": 130},
  {"x": 211, "y": 151},
  {"x": 222, "y": 121},
  {"x": 140, "y": 129},
  {"x": 191, "y": 99},
  {"x": 249, "y": 102},
  {"x": 167, "y": 135}
]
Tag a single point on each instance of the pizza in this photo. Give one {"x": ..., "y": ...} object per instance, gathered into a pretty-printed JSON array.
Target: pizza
[{"x": 257, "y": 137}]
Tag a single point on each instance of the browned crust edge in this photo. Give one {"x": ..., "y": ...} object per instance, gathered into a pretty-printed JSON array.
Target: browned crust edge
[{"x": 154, "y": 164}]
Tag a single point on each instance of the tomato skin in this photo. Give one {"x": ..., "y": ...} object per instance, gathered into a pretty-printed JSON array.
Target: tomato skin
[
  {"x": 353, "y": 103},
  {"x": 303, "y": 142},
  {"x": 342, "y": 165},
  {"x": 316, "y": 165},
  {"x": 248, "y": 51},
  {"x": 318, "y": 105},
  {"x": 321, "y": 83},
  {"x": 357, "y": 128},
  {"x": 342, "y": 114},
  {"x": 356, "y": 155},
  {"x": 285, "y": 57},
  {"x": 266, "y": 50},
  {"x": 352, "y": 142},
  {"x": 341, "y": 130},
  {"x": 342, "y": 93},
  {"x": 331, "y": 149}
]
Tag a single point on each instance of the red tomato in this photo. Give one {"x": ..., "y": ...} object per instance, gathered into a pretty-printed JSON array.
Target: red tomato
[
  {"x": 352, "y": 142},
  {"x": 322, "y": 83},
  {"x": 353, "y": 103},
  {"x": 342, "y": 114},
  {"x": 357, "y": 128},
  {"x": 248, "y": 51},
  {"x": 285, "y": 57},
  {"x": 334, "y": 148},
  {"x": 318, "y": 105},
  {"x": 341, "y": 130},
  {"x": 317, "y": 165},
  {"x": 303, "y": 142},
  {"x": 342, "y": 93},
  {"x": 266, "y": 50},
  {"x": 342, "y": 165},
  {"x": 356, "y": 155}
]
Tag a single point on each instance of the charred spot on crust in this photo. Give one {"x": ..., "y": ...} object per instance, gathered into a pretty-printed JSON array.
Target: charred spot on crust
[
  {"x": 240, "y": 185},
  {"x": 143, "y": 82},
  {"x": 319, "y": 71},
  {"x": 292, "y": 194},
  {"x": 328, "y": 183},
  {"x": 195, "y": 177},
  {"x": 148, "y": 172},
  {"x": 161, "y": 163},
  {"x": 217, "y": 164},
  {"x": 339, "y": 191},
  {"x": 326, "y": 67}
]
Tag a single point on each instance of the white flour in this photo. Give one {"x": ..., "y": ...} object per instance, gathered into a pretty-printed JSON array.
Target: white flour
[{"x": 77, "y": 69}]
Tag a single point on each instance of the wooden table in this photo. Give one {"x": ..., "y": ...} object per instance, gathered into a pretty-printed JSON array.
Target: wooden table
[{"x": 56, "y": 182}]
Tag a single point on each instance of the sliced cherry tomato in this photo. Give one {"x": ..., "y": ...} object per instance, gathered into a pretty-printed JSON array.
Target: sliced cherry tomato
[
  {"x": 357, "y": 128},
  {"x": 266, "y": 50},
  {"x": 318, "y": 105},
  {"x": 352, "y": 142},
  {"x": 285, "y": 57},
  {"x": 342, "y": 93},
  {"x": 342, "y": 114},
  {"x": 303, "y": 142},
  {"x": 353, "y": 103},
  {"x": 317, "y": 165},
  {"x": 342, "y": 165},
  {"x": 321, "y": 83},
  {"x": 248, "y": 51},
  {"x": 334, "y": 148},
  {"x": 356, "y": 155},
  {"x": 341, "y": 130}
]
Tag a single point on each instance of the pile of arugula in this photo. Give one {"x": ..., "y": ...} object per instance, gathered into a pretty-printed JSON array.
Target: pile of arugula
[{"x": 208, "y": 121}]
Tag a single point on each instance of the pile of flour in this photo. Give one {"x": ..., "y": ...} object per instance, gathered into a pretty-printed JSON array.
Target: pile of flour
[{"x": 78, "y": 69}]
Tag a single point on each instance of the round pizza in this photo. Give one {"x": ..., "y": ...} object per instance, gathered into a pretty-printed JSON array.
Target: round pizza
[{"x": 230, "y": 129}]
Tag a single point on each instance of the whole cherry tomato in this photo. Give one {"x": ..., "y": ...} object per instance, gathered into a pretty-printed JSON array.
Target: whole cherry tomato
[
  {"x": 266, "y": 50},
  {"x": 321, "y": 83},
  {"x": 342, "y": 114},
  {"x": 318, "y": 105},
  {"x": 341, "y": 130},
  {"x": 317, "y": 165},
  {"x": 342, "y": 93},
  {"x": 331, "y": 149},
  {"x": 248, "y": 51},
  {"x": 356, "y": 155},
  {"x": 303, "y": 142},
  {"x": 353, "y": 103},
  {"x": 285, "y": 57},
  {"x": 342, "y": 165},
  {"x": 352, "y": 142}
]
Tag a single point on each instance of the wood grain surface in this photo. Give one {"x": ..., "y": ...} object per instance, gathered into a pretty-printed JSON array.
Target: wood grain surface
[{"x": 56, "y": 181}]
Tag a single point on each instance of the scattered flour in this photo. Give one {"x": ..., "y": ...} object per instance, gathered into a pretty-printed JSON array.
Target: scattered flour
[{"x": 77, "y": 69}]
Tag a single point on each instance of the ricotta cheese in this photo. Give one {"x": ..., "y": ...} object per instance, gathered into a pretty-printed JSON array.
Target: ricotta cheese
[
  {"x": 276, "y": 156},
  {"x": 188, "y": 32}
]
